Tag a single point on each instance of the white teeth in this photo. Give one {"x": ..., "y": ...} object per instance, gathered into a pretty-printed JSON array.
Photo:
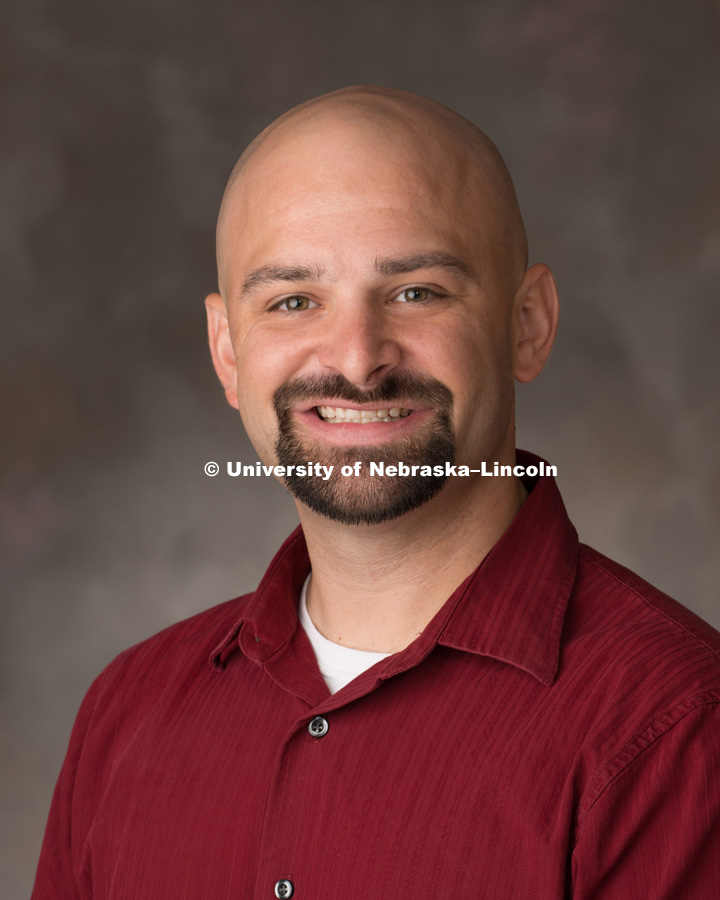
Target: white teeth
[{"x": 361, "y": 416}]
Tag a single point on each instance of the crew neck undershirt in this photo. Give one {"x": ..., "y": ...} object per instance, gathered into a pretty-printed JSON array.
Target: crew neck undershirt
[{"x": 338, "y": 665}]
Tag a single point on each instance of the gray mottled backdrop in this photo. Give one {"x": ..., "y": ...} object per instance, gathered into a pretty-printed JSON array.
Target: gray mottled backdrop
[{"x": 120, "y": 123}]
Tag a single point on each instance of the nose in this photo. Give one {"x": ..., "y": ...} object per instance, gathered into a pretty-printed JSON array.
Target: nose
[{"x": 359, "y": 342}]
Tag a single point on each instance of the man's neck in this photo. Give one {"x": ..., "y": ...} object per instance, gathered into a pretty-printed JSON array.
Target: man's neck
[{"x": 377, "y": 587}]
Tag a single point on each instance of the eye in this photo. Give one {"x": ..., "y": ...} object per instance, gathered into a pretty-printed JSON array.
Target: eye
[
  {"x": 296, "y": 303},
  {"x": 415, "y": 295}
]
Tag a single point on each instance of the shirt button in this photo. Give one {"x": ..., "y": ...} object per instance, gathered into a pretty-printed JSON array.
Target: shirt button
[
  {"x": 284, "y": 889},
  {"x": 318, "y": 727}
]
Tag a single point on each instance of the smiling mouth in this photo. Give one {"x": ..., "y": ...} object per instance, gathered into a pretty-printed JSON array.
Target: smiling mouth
[{"x": 338, "y": 414}]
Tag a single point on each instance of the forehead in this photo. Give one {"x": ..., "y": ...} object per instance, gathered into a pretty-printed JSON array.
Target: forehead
[{"x": 355, "y": 187}]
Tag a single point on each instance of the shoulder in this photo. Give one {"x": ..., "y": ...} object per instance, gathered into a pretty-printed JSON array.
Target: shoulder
[
  {"x": 628, "y": 637},
  {"x": 639, "y": 679},
  {"x": 146, "y": 681},
  {"x": 639, "y": 666},
  {"x": 611, "y": 602},
  {"x": 178, "y": 650}
]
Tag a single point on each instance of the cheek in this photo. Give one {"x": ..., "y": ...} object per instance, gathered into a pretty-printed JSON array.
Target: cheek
[
  {"x": 475, "y": 362},
  {"x": 264, "y": 363},
  {"x": 469, "y": 359},
  {"x": 256, "y": 383}
]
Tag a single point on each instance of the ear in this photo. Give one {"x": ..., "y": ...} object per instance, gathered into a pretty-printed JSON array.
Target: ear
[
  {"x": 221, "y": 348},
  {"x": 535, "y": 315}
]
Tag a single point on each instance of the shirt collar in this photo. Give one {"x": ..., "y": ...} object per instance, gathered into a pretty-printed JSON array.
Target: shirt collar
[
  {"x": 511, "y": 608},
  {"x": 513, "y": 605}
]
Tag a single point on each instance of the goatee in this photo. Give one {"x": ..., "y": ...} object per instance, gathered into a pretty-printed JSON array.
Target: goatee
[{"x": 367, "y": 500}]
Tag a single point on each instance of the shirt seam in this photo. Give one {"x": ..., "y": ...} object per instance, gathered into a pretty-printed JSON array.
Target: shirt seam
[
  {"x": 660, "y": 726},
  {"x": 646, "y": 601},
  {"x": 102, "y": 683}
]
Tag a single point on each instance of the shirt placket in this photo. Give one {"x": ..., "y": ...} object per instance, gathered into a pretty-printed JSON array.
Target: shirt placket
[{"x": 301, "y": 789}]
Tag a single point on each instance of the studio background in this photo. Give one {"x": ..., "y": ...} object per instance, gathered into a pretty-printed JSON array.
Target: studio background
[{"x": 120, "y": 126}]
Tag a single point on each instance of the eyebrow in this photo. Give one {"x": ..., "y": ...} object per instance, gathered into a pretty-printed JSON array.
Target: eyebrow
[
  {"x": 267, "y": 274},
  {"x": 434, "y": 260},
  {"x": 386, "y": 267}
]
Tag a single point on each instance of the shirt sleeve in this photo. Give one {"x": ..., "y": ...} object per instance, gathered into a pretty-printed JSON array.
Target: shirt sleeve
[
  {"x": 56, "y": 877},
  {"x": 653, "y": 828}
]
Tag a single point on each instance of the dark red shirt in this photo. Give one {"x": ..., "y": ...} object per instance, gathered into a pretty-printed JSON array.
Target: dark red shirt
[{"x": 554, "y": 732}]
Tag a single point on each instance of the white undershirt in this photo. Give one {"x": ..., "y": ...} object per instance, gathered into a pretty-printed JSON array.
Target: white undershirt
[{"x": 338, "y": 664}]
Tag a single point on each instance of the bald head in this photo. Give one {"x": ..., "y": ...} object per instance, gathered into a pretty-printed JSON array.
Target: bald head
[{"x": 364, "y": 133}]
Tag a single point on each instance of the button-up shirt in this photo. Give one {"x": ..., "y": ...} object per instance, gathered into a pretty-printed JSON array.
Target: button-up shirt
[{"x": 554, "y": 732}]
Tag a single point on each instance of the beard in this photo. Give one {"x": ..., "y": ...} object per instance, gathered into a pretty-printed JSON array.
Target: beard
[{"x": 367, "y": 500}]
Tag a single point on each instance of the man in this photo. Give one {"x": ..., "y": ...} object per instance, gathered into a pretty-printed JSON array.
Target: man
[{"x": 435, "y": 692}]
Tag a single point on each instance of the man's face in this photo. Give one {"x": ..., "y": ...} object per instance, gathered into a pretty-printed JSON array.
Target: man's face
[{"x": 367, "y": 317}]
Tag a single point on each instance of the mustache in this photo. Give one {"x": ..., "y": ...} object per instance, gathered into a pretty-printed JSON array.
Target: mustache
[{"x": 408, "y": 385}]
